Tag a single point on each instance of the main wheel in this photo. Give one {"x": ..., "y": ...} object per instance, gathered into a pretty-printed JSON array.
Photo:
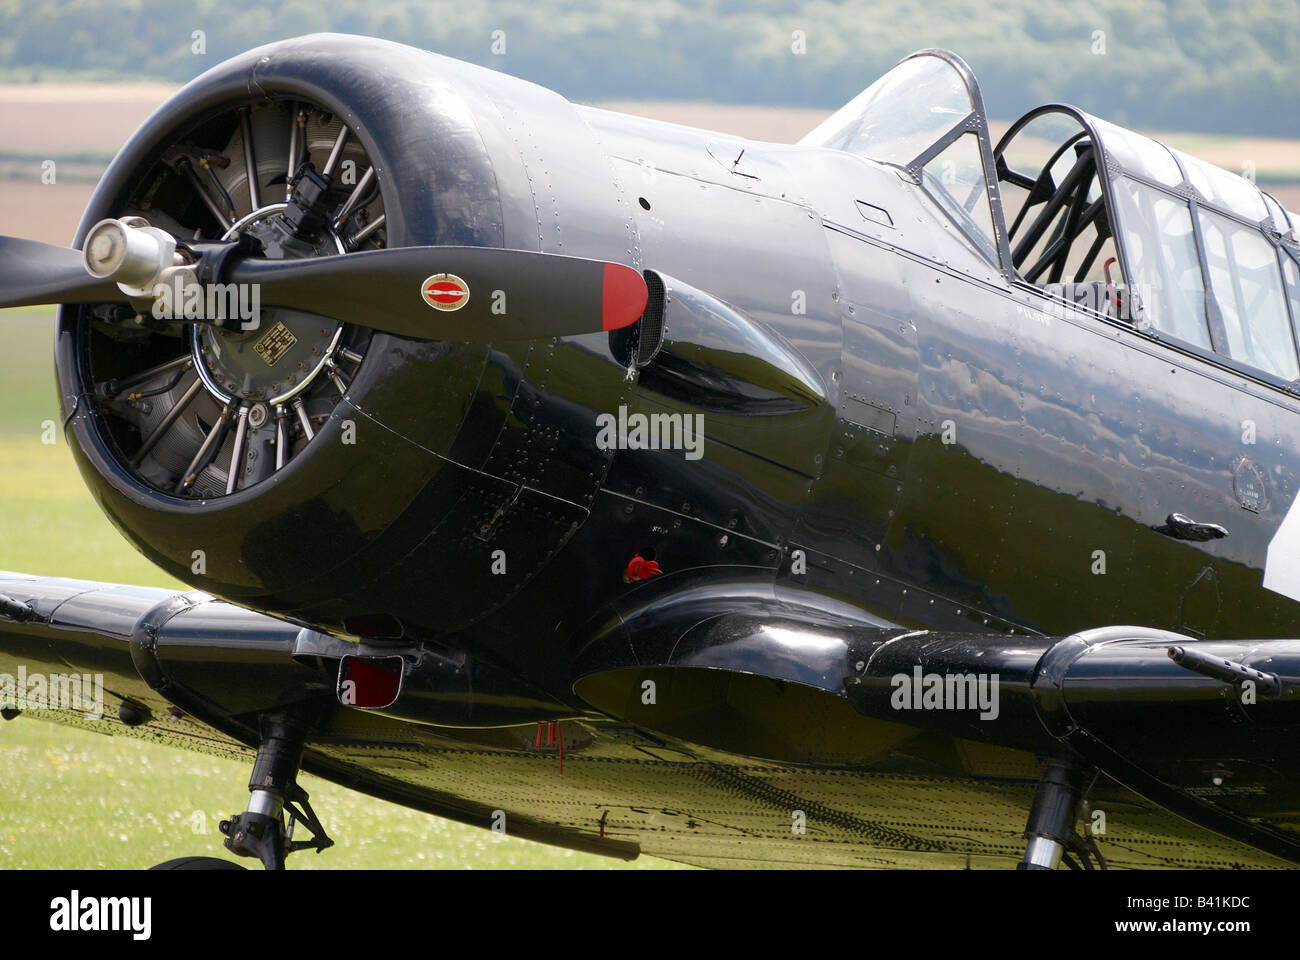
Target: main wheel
[{"x": 199, "y": 863}]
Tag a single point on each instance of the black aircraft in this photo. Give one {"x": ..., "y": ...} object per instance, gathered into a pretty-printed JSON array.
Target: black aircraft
[{"x": 897, "y": 498}]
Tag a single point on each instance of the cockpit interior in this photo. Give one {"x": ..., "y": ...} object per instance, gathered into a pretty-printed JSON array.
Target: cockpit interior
[{"x": 1089, "y": 212}]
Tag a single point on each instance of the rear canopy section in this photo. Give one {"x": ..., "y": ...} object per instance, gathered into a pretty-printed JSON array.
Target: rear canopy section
[{"x": 1209, "y": 260}]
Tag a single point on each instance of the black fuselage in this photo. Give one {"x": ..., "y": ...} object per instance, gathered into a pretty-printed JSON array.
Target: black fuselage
[{"x": 887, "y": 421}]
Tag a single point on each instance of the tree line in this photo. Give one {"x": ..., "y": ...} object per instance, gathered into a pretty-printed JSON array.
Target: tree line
[{"x": 1230, "y": 66}]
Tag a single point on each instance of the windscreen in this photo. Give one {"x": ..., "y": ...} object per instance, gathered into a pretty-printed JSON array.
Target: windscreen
[{"x": 900, "y": 115}]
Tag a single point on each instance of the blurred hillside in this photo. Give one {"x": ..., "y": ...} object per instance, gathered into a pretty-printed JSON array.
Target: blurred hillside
[
  {"x": 81, "y": 126},
  {"x": 1204, "y": 65}
]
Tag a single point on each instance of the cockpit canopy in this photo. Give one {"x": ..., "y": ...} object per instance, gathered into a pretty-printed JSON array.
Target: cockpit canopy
[{"x": 1090, "y": 212}]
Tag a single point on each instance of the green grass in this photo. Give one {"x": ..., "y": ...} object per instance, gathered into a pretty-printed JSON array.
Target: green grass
[{"x": 77, "y": 799}]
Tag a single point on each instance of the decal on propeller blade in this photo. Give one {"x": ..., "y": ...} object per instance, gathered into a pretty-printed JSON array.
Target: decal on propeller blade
[{"x": 445, "y": 291}]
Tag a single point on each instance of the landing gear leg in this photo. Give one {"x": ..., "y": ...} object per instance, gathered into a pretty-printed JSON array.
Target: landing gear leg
[
  {"x": 261, "y": 831},
  {"x": 1051, "y": 818}
]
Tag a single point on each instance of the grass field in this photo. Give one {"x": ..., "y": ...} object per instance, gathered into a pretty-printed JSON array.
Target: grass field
[{"x": 75, "y": 799}]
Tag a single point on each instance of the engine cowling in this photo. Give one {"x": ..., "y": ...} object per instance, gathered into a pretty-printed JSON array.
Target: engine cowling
[{"x": 306, "y": 467}]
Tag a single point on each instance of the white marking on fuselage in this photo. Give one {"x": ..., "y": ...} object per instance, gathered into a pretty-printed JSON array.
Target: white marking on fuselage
[{"x": 1282, "y": 565}]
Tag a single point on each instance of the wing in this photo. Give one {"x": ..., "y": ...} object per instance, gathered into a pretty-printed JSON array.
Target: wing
[
  {"x": 1181, "y": 728},
  {"x": 197, "y": 673},
  {"x": 769, "y": 731}
]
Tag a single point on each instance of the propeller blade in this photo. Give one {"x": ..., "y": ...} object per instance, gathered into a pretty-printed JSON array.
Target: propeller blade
[
  {"x": 455, "y": 293},
  {"x": 439, "y": 293},
  {"x": 32, "y": 272}
]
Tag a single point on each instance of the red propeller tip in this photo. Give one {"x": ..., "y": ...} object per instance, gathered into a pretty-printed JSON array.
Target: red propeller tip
[{"x": 623, "y": 296}]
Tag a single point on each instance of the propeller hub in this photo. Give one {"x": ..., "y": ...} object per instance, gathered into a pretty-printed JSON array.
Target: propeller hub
[
  {"x": 288, "y": 349},
  {"x": 106, "y": 250},
  {"x": 130, "y": 253}
]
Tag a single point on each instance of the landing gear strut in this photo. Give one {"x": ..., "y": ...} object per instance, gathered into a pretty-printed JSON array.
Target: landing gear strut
[
  {"x": 1050, "y": 830},
  {"x": 261, "y": 830}
]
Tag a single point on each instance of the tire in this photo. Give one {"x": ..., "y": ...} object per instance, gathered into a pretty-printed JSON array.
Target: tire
[{"x": 199, "y": 863}]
